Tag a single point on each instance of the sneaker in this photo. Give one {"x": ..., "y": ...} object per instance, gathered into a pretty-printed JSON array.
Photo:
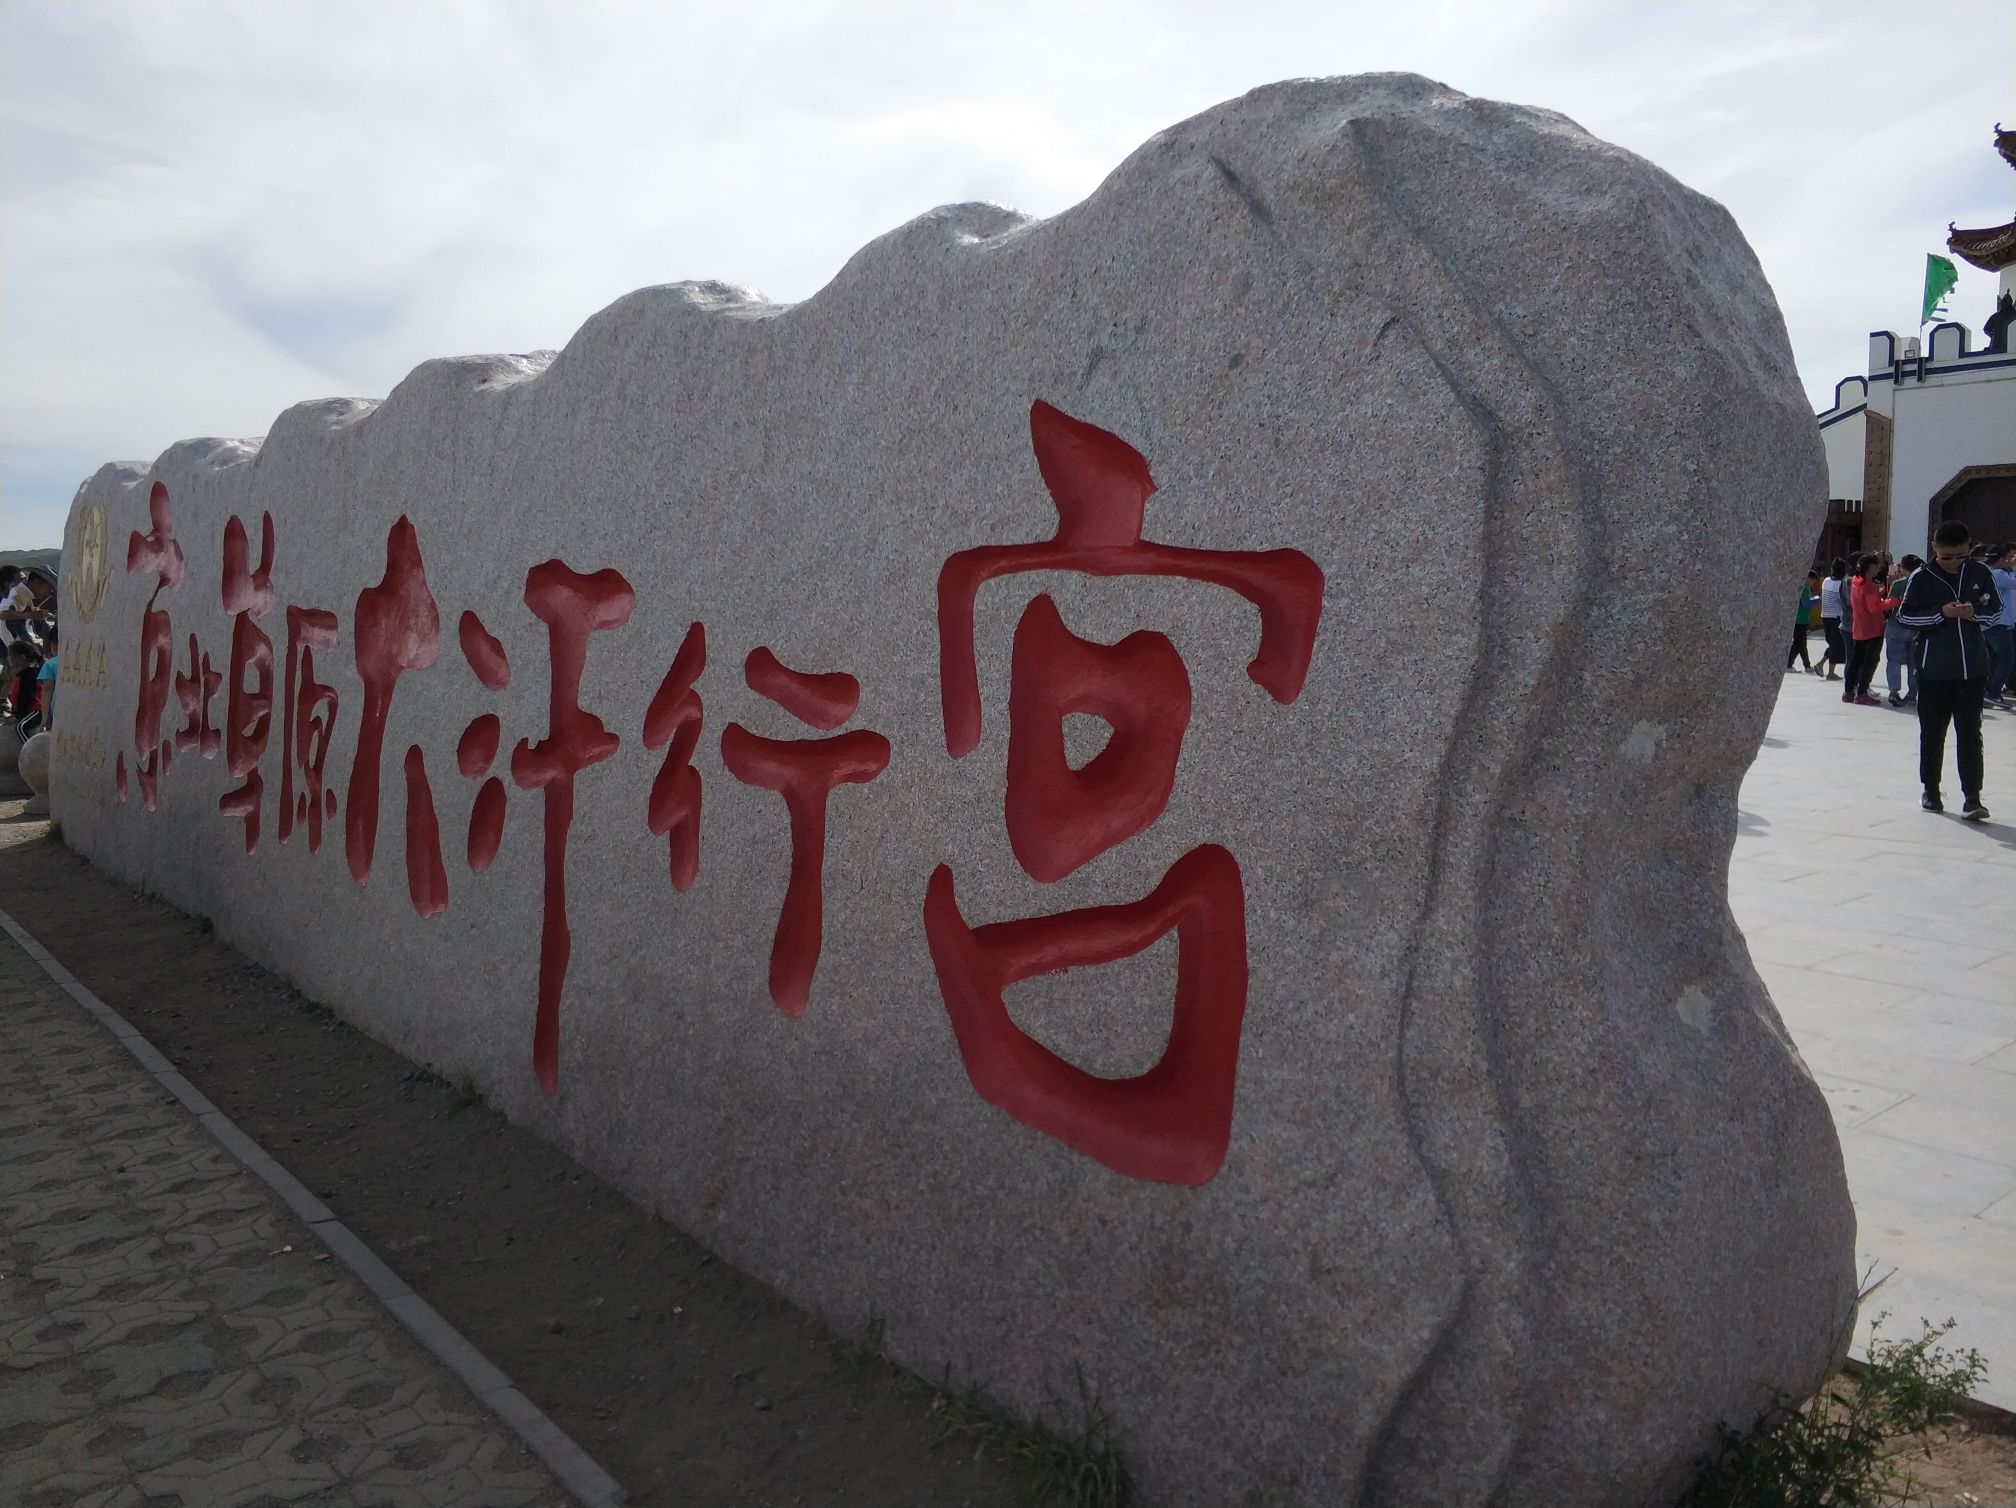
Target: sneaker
[
  {"x": 1866, "y": 700},
  {"x": 1832, "y": 675},
  {"x": 1973, "y": 810},
  {"x": 1931, "y": 802},
  {"x": 1847, "y": 696},
  {"x": 1894, "y": 699}
]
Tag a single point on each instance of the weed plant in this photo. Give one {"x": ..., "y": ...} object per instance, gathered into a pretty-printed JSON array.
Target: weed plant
[
  {"x": 1848, "y": 1446},
  {"x": 1065, "y": 1467}
]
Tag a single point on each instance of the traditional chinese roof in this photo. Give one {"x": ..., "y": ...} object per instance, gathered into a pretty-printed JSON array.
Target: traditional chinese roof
[{"x": 1991, "y": 249}]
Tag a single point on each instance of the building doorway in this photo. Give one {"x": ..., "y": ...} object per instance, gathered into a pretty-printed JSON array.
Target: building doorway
[
  {"x": 1981, "y": 497},
  {"x": 1841, "y": 535}
]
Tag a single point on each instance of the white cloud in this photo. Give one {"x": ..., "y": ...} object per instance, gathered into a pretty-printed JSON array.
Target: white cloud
[{"x": 215, "y": 208}]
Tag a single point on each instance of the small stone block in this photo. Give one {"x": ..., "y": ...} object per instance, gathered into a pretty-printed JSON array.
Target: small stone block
[{"x": 351, "y": 1251}]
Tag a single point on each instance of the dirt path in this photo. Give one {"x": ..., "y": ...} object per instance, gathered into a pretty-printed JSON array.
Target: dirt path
[{"x": 688, "y": 1381}]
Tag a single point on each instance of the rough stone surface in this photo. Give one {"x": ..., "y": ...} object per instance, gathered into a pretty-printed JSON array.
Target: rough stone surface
[
  {"x": 33, "y": 763},
  {"x": 1525, "y": 1187}
]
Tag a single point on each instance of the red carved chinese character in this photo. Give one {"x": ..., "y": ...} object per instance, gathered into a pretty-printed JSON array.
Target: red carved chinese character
[
  {"x": 248, "y": 712},
  {"x": 397, "y": 628},
  {"x": 1172, "y": 1123},
  {"x": 484, "y": 653},
  {"x": 477, "y": 749},
  {"x": 308, "y": 711},
  {"x": 1100, "y": 485},
  {"x": 804, "y": 772},
  {"x": 155, "y": 551},
  {"x": 675, "y": 717},
  {"x": 572, "y": 606},
  {"x": 1058, "y": 817},
  {"x": 426, "y": 879},
  {"x": 196, "y": 691}
]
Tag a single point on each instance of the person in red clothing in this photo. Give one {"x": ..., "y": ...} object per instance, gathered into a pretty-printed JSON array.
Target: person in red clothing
[{"x": 1868, "y": 611}]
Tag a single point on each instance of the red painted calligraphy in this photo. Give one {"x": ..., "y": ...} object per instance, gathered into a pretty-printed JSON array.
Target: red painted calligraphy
[
  {"x": 804, "y": 772},
  {"x": 308, "y": 712},
  {"x": 1172, "y": 1123},
  {"x": 484, "y": 652},
  {"x": 155, "y": 551},
  {"x": 476, "y": 751},
  {"x": 426, "y": 879},
  {"x": 1058, "y": 817},
  {"x": 396, "y": 628},
  {"x": 248, "y": 713},
  {"x": 572, "y": 606},
  {"x": 1100, "y": 486},
  {"x": 196, "y": 691},
  {"x": 674, "y": 717}
]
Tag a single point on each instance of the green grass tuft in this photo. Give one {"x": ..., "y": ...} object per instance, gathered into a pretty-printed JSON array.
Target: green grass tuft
[{"x": 1069, "y": 1467}]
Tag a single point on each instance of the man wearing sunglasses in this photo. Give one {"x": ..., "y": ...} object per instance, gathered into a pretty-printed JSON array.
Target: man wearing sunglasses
[{"x": 1948, "y": 601}]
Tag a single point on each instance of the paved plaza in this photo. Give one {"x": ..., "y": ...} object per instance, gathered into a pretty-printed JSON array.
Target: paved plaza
[
  {"x": 171, "y": 1336},
  {"x": 1887, "y": 936}
]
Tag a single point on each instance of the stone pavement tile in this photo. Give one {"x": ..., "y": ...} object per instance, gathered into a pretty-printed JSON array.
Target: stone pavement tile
[
  {"x": 1791, "y": 985},
  {"x": 1947, "y": 1124},
  {"x": 1968, "y": 896},
  {"x": 1995, "y": 1018},
  {"x": 1880, "y": 1026},
  {"x": 167, "y": 1332},
  {"x": 1853, "y": 1101},
  {"x": 1904, "y": 1173},
  {"x": 1974, "y": 1082},
  {"x": 1898, "y": 941},
  {"x": 2002, "y": 1212},
  {"x": 1965, "y": 1251},
  {"x": 2002, "y": 1060},
  {"x": 1930, "y": 978},
  {"x": 1963, "y": 923}
]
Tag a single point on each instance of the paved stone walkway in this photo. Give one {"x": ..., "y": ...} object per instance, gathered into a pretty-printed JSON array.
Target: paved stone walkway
[
  {"x": 1887, "y": 936},
  {"x": 171, "y": 1336}
]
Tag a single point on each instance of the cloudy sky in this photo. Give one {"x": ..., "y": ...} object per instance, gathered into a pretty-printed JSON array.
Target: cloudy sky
[{"x": 211, "y": 209}]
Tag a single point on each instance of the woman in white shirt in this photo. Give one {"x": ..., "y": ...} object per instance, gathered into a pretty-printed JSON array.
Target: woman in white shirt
[{"x": 1830, "y": 619}]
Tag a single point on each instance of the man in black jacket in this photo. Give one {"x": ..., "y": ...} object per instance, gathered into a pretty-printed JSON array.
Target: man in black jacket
[{"x": 1947, "y": 601}]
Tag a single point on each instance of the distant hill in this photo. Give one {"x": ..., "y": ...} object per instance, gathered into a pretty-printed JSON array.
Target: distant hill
[{"x": 40, "y": 560}]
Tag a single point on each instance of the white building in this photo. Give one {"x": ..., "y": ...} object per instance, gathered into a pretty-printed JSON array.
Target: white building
[{"x": 1928, "y": 433}]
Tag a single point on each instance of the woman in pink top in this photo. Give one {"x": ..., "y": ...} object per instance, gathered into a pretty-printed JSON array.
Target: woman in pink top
[{"x": 1868, "y": 610}]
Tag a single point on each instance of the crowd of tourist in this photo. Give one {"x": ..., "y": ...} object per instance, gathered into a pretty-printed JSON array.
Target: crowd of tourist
[
  {"x": 28, "y": 629},
  {"x": 1943, "y": 631}
]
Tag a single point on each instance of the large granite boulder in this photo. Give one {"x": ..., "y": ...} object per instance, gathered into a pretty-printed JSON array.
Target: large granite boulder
[{"x": 1471, "y": 1163}]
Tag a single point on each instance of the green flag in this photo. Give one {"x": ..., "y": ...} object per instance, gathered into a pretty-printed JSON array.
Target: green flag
[{"x": 1940, "y": 276}]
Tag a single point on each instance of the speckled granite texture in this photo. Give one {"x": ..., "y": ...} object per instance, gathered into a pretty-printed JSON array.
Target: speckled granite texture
[{"x": 1526, "y": 1188}]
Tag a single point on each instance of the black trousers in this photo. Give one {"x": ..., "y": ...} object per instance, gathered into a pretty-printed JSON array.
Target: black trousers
[
  {"x": 1830, "y": 628},
  {"x": 1957, "y": 702},
  {"x": 1863, "y": 657},
  {"x": 1798, "y": 648}
]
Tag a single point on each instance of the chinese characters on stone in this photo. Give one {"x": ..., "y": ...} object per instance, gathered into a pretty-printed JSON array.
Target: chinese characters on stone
[{"x": 1171, "y": 1123}]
